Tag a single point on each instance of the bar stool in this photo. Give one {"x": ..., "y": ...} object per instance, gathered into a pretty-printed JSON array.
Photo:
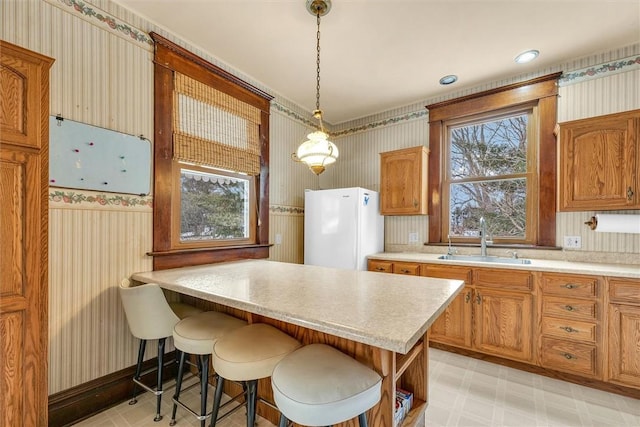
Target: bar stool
[
  {"x": 150, "y": 317},
  {"x": 318, "y": 385},
  {"x": 197, "y": 335},
  {"x": 249, "y": 354}
]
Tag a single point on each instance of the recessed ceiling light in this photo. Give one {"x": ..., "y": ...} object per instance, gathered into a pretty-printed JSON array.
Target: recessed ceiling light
[
  {"x": 527, "y": 56},
  {"x": 447, "y": 80}
]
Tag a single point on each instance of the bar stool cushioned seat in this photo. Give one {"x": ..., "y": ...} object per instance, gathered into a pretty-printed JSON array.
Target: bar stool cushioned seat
[
  {"x": 249, "y": 354},
  {"x": 197, "y": 335},
  {"x": 318, "y": 385}
]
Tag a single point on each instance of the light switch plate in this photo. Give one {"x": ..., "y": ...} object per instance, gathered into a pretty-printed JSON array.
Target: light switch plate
[{"x": 413, "y": 237}]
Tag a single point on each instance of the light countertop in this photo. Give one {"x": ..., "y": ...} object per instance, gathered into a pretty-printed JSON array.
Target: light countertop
[
  {"x": 383, "y": 310},
  {"x": 616, "y": 270}
]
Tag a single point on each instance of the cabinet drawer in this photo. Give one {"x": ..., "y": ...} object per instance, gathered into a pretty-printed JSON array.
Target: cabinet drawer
[
  {"x": 569, "y": 356},
  {"x": 505, "y": 279},
  {"x": 570, "y": 285},
  {"x": 455, "y": 273},
  {"x": 569, "y": 308},
  {"x": 569, "y": 329},
  {"x": 406, "y": 268},
  {"x": 382, "y": 266},
  {"x": 626, "y": 291}
]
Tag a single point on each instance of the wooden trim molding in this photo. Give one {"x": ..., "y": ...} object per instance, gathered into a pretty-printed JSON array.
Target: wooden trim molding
[
  {"x": 543, "y": 91},
  {"x": 170, "y": 58},
  {"x": 78, "y": 403}
]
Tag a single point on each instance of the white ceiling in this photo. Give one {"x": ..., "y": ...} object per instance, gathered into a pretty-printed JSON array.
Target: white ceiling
[{"x": 380, "y": 54}]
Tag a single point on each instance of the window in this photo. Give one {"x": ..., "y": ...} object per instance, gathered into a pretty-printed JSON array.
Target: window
[
  {"x": 215, "y": 208},
  {"x": 493, "y": 156},
  {"x": 211, "y": 162},
  {"x": 490, "y": 173}
]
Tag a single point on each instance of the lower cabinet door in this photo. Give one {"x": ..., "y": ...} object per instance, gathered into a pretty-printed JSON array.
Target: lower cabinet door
[
  {"x": 502, "y": 323},
  {"x": 624, "y": 344},
  {"x": 454, "y": 325}
]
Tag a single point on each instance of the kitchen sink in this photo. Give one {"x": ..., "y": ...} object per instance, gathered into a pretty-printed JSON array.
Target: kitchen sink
[{"x": 479, "y": 258}]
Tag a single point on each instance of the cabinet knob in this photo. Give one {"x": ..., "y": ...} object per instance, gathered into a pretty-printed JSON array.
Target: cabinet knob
[
  {"x": 467, "y": 297},
  {"x": 629, "y": 194},
  {"x": 569, "y": 356},
  {"x": 380, "y": 268},
  {"x": 570, "y": 286},
  {"x": 568, "y": 329},
  {"x": 478, "y": 299},
  {"x": 568, "y": 308}
]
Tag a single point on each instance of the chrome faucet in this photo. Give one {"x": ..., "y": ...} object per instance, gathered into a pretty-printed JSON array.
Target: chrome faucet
[{"x": 483, "y": 237}]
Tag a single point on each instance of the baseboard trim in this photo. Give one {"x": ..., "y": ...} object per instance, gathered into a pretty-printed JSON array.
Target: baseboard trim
[{"x": 85, "y": 400}]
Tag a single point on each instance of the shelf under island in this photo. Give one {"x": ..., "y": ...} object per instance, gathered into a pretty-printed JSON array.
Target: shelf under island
[{"x": 379, "y": 319}]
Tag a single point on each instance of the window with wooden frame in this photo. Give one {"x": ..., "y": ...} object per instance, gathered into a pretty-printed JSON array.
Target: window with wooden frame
[
  {"x": 493, "y": 155},
  {"x": 211, "y": 162}
]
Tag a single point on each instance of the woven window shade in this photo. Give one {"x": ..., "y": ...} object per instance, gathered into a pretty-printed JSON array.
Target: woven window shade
[{"x": 214, "y": 129}]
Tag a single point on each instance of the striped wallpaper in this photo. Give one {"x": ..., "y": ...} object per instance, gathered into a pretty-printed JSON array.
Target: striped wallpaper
[{"x": 104, "y": 79}]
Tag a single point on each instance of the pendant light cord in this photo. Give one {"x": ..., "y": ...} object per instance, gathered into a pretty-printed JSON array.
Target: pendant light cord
[{"x": 318, "y": 61}]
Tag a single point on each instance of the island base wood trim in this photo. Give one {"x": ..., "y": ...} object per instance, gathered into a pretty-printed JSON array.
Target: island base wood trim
[
  {"x": 576, "y": 379},
  {"x": 85, "y": 400}
]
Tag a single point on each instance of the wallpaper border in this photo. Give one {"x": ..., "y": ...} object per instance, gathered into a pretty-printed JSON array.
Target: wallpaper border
[
  {"x": 104, "y": 20},
  {"x": 600, "y": 70},
  {"x": 62, "y": 198}
]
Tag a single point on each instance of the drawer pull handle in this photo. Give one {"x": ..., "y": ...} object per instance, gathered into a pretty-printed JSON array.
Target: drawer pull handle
[
  {"x": 568, "y": 329},
  {"x": 568, "y": 308},
  {"x": 380, "y": 269},
  {"x": 569, "y": 356},
  {"x": 570, "y": 286},
  {"x": 404, "y": 271}
]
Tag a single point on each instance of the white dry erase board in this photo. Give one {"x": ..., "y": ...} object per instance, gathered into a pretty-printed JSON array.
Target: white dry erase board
[{"x": 91, "y": 158}]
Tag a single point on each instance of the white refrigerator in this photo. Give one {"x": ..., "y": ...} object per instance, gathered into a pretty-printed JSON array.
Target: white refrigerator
[{"x": 341, "y": 227}]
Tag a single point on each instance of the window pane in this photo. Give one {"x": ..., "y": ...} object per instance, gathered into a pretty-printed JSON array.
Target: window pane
[
  {"x": 502, "y": 203},
  {"x": 213, "y": 207},
  {"x": 492, "y": 148}
]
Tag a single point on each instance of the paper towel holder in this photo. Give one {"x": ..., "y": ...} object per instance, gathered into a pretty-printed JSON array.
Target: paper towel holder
[{"x": 592, "y": 223}]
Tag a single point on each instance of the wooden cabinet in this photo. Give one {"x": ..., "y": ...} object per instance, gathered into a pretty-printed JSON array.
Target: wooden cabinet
[
  {"x": 453, "y": 327},
  {"x": 599, "y": 160},
  {"x": 571, "y": 327},
  {"x": 403, "y": 181},
  {"x": 503, "y": 313},
  {"x": 24, "y": 171},
  {"x": 582, "y": 325},
  {"x": 493, "y": 314},
  {"x": 624, "y": 332}
]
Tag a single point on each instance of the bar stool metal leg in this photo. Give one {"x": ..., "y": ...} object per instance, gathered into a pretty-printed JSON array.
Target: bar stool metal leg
[
  {"x": 176, "y": 396},
  {"x": 204, "y": 384},
  {"x": 141, "y": 349},
  {"x": 362, "y": 418},
  {"x": 216, "y": 401},
  {"x": 158, "y": 391},
  {"x": 252, "y": 400}
]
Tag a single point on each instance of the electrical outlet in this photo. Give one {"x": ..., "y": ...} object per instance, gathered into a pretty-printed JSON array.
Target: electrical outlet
[
  {"x": 413, "y": 237},
  {"x": 572, "y": 242},
  {"x": 278, "y": 239}
]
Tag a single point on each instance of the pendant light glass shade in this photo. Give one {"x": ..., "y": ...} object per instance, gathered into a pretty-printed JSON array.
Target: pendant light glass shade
[{"x": 317, "y": 152}]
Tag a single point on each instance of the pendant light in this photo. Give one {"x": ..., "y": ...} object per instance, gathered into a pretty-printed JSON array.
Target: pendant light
[{"x": 317, "y": 151}]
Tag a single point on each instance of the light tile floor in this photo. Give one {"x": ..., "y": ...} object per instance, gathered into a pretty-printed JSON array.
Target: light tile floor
[{"x": 463, "y": 392}]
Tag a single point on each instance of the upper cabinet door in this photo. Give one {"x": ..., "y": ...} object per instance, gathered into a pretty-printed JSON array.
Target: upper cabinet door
[
  {"x": 599, "y": 163},
  {"x": 22, "y": 76},
  {"x": 403, "y": 181}
]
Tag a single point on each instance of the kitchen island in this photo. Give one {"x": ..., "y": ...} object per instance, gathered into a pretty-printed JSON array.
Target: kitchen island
[{"x": 381, "y": 320}]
